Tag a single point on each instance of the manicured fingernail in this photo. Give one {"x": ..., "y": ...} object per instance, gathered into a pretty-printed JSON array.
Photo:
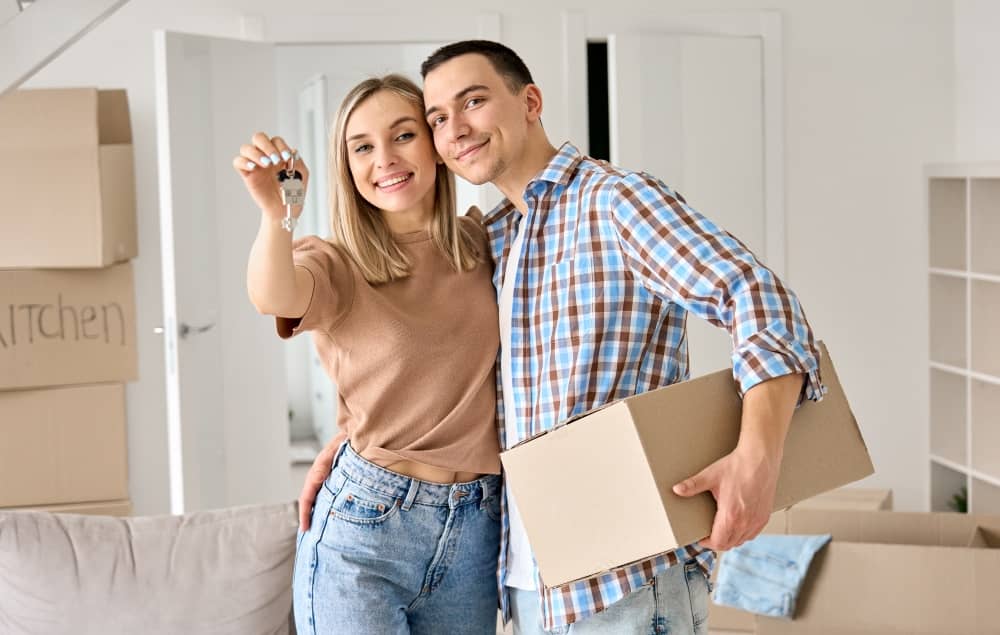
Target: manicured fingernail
[
  {"x": 286, "y": 155},
  {"x": 265, "y": 161},
  {"x": 251, "y": 165},
  {"x": 274, "y": 158}
]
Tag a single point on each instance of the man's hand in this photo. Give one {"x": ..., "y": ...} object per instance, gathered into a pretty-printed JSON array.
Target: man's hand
[
  {"x": 315, "y": 478},
  {"x": 744, "y": 481},
  {"x": 743, "y": 485}
]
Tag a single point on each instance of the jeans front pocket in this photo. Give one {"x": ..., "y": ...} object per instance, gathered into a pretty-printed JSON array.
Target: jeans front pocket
[{"x": 363, "y": 506}]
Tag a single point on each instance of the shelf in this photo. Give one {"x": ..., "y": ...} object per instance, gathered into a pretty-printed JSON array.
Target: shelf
[
  {"x": 947, "y": 320},
  {"x": 948, "y": 416},
  {"x": 961, "y": 372},
  {"x": 985, "y": 428},
  {"x": 985, "y": 226},
  {"x": 978, "y": 169},
  {"x": 958, "y": 273},
  {"x": 985, "y": 497},
  {"x": 985, "y": 327},
  {"x": 945, "y": 483},
  {"x": 946, "y": 198}
]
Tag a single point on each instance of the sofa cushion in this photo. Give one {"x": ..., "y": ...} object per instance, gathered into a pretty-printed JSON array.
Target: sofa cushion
[{"x": 218, "y": 571}]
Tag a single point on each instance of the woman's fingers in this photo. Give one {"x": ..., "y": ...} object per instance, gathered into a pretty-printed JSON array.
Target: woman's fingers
[
  {"x": 243, "y": 165},
  {"x": 255, "y": 154},
  {"x": 267, "y": 149},
  {"x": 283, "y": 150}
]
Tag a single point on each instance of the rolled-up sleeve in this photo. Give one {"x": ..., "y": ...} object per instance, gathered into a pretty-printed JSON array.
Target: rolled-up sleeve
[{"x": 683, "y": 257}]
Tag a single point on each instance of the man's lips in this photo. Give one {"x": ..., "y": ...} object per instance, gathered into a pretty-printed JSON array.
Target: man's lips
[{"x": 469, "y": 151}]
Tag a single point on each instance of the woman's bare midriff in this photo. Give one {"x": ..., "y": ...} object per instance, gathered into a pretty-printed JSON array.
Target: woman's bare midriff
[{"x": 429, "y": 473}]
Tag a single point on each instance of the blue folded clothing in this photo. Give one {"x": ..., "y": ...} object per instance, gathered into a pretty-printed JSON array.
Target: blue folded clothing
[{"x": 763, "y": 575}]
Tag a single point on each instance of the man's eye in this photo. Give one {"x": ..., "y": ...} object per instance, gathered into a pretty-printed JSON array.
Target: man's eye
[
  {"x": 475, "y": 101},
  {"x": 437, "y": 121}
]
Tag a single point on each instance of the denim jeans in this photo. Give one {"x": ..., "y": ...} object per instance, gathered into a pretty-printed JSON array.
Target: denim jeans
[
  {"x": 674, "y": 602},
  {"x": 763, "y": 575},
  {"x": 388, "y": 554}
]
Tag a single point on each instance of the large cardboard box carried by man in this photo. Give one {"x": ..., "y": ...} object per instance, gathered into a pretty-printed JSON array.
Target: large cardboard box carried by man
[{"x": 596, "y": 493}]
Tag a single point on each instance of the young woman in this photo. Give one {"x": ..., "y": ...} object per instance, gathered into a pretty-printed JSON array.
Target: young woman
[{"x": 404, "y": 532}]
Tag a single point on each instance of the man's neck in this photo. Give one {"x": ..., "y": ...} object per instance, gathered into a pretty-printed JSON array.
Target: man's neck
[{"x": 512, "y": 183}]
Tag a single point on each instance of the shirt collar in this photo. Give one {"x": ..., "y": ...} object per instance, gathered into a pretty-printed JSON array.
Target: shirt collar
[{"x": 559, "y": 172}]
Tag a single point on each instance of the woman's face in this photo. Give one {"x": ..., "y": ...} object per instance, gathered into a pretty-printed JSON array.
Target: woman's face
[{"x": 391, "y": 155}]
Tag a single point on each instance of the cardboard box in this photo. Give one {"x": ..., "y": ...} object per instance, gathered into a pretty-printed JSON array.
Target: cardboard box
[
  {"x": 67, "y": 170},
  {"x": 102, "y": 508},
  {"x": 63, "y": 445},
  {"x": 844, "y": 498},
  {"x": 67, "y": 326},
  {"x": 892, "y": 572},
  {"x": 595, "y": 494}
]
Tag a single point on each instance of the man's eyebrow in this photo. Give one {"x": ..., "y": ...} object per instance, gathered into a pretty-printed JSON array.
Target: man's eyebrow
[
  {"x": 460, "y": 94},
  {"x": 399, "y": 121}
]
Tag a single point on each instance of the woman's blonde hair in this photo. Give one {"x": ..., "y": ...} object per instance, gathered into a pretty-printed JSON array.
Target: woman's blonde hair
[{"x": 358, "y": 226}]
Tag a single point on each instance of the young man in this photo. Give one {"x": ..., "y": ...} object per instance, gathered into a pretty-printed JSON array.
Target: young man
[{"x": 596, "y": 270}]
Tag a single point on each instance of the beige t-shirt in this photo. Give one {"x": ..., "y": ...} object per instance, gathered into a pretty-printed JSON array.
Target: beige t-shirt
[{"x": 413, "y": 360}]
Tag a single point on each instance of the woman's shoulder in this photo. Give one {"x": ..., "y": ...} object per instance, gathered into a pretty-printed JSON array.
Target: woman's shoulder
[{"x": 321, "y": 250}]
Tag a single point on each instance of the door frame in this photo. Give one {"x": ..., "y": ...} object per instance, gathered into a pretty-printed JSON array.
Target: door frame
[{"x": 764, "y": 25}]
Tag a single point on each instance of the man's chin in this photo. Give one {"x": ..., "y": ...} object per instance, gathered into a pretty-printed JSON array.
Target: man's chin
[{"x": 475, "y": 177}]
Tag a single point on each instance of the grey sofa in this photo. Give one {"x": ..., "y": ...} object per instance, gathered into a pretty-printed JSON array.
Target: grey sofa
[{"x": 221, "y": 571}]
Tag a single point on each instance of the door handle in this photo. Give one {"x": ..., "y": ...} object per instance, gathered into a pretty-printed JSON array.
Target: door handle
[{"x": 186, "y": 329}]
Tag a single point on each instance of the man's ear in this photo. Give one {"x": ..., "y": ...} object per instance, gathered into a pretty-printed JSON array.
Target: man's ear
[{"x": 533, "y": 101}]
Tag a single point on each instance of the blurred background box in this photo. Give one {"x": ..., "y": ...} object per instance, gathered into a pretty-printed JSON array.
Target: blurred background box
[
  {"x": 68, "y": 179},
  {"x": 67, "y": 326},
  {"x": 63, "y": 445}
]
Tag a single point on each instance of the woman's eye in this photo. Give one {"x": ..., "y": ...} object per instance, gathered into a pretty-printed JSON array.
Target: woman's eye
[
  {"x": 406, "y": 136},
  {"x": 364, "y": 147}
]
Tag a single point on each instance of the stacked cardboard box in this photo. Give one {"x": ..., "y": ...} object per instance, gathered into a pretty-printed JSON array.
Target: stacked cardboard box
[{"x": 67, "y": 299}]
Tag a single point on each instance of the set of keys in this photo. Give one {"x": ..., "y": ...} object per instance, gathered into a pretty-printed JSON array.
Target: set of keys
[{"x": 293, "y": 192}]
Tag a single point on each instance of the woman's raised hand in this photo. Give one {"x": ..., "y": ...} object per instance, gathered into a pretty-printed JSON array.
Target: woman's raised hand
[{"x": 259, "y": 164}]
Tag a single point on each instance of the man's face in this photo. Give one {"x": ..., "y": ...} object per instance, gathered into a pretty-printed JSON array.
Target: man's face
[{"x": 479, "y": 126}]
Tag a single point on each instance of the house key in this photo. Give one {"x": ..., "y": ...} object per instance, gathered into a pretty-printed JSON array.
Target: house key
[{"x": 293, "y": 192}]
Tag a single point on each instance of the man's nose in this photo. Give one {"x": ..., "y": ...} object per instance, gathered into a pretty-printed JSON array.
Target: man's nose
[{"x": 458, "y": 128}]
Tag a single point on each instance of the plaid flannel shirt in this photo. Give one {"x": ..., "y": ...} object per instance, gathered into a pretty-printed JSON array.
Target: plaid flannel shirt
[{"x": 612, "y": 264}]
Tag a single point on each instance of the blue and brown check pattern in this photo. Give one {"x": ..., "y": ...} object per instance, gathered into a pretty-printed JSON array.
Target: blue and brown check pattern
[{"x": 613, "y": 263}]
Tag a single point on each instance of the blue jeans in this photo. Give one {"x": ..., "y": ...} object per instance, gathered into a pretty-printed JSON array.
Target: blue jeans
[
  {"x": 387, "y": 554},
  {"x": 674, "y": 602}
]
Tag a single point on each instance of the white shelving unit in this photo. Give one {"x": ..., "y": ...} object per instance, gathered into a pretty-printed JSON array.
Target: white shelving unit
[{"x": 964, "y": 338}]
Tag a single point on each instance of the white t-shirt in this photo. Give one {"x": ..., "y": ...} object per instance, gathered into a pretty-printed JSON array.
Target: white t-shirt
[{"x": 520, "y": 572}]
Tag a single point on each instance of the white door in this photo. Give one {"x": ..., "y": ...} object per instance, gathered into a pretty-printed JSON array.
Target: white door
[
  {"x": 688, "y": 110},
  {"x": 226, "y": 398}
]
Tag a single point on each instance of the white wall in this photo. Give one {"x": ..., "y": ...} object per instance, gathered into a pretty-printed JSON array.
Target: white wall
[
  {"x": 869, "y": 98},
  {"x": 977, "y": 79}
]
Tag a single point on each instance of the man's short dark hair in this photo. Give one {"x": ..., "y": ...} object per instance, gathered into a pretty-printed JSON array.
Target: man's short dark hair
[{"x": 505, "y": 62}]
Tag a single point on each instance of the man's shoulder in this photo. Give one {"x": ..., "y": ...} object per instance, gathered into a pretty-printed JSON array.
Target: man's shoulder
[{"x": 600, "y": 173}]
